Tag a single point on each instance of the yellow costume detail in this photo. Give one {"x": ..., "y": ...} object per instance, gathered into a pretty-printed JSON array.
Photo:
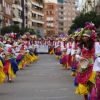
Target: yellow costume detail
[
  {"x": 2, "y": 74},
  {"x": 11, "y": 72}
]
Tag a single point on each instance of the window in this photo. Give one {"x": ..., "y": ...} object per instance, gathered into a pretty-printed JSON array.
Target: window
[
  {"x": 61, "y": 12},
  {"x": 64, "y": 29},
  {"x": 52, "y": 25},
  {"x": 73, "y": 18},
  {"x": 69, "y": 25},
  {"x": 68, "y": 9},
  {"x": 74, "y": 14},
  {"x": 60, "y": 23},
  {"x": 48, "y": 32},
  {"x": 51, "y": 19},
  {"x": 64, "y": 13},
  {"x": 69, "y": 14},
  {"x": 65, "y": 24},
  {"x": 73, "y": 9},
  {"x": 33, "y": 15},
  {"x": 48, "y": 18},
  {"x": 60, "y": 18},
  {"x": 64, "y": 7},
  {"x": 61, "y": 29},
  {"x": 73, "y": 3},
  {"x": 69, "y": 2},
  {"x": 69, "y": 18},
  {"x": 65, "y": 18}
]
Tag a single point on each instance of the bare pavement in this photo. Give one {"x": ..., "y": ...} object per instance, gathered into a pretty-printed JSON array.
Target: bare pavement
[{"x": 44, "y": 79}]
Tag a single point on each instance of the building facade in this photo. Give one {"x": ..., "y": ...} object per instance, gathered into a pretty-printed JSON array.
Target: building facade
[
  {"x": 10, "y": 12},
  {"x": 67, "y": 11},
  {"x": 51, "y": 19},
  {"x": 90, "y": 5},
  {"x": 34, "y": 16},
  {"x": 6, "y": 12},
  {"x": 16, "y": 10}
]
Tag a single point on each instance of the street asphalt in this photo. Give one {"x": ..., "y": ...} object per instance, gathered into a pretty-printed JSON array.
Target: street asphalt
[{"x": 43, "y": 79}]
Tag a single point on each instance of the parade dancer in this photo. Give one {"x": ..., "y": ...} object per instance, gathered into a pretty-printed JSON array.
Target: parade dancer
[
  {"x": 51, "y": 47},
  {"x": 74, "y": 50},
  {"x": 85, "y": 76},
  {"x": 95, "y": 94},
  {"x": 69, "y": 57},
  {"x": 20, "y": 54},
  {"x": 63, "y": 58},
  {"x": 2, "y": 74},
  {"x": 58, "y": 52},
  {"x": 10, "y": 65}
]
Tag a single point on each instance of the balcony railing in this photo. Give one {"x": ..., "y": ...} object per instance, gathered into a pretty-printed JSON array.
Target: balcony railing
[
  {"x": 36, "y": 27},
  {"x": 37, "y": 10},
  {"x": 38, "y": 2},
  {"x": 17, "y": 20},
  {"x": 37, "y": 19}
]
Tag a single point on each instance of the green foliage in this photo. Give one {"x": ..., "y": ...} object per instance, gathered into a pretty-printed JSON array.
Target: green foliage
[
  {"x": 80, "y": 20},
  {"x": 31, "y": 31},
  {"x": 16, "y": 29}
]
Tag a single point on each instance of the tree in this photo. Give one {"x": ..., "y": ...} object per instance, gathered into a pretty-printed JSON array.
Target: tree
[
  {"x": 80, "y": 20},
  {"x": 9, "y": 29},
  {"x": 32, "y": 32},
  {"x": 17, "y": 29}
]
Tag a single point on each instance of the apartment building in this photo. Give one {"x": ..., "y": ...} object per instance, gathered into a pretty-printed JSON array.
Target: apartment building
[
  {"x": 51, "y": 19},
  {"x": 10, "y": 12},
  {"x": 34, "y": 16},
  {"x": 67, "y": 11},
  {"x": 16, "y": 10},
  {"x": 90, "y": 5},
  {"x": 6, "y": 12}
]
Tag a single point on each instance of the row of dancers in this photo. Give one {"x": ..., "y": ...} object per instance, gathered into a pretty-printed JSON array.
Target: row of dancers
[
  {"x": 81, "y": 54},
  {"x": 15, "y": 54}
]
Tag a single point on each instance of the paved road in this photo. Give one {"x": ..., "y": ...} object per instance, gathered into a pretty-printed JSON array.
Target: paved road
[{"x": 44, "y": 79}]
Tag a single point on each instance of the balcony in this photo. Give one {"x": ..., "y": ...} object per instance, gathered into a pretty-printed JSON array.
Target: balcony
[
  {"x": 38, "y": 19},
  {"x": 61, "y": 26},
  {"x": 36, "y": 3},
  {"x": 17, "y": 20},
  {"x": 17, "y": 6},
  {"x": 36, "y": 27},
  {"x": 38, "y": 11}
]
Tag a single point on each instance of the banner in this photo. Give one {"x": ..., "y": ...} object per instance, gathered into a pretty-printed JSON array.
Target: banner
[{"x": 42, "y": 49}]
